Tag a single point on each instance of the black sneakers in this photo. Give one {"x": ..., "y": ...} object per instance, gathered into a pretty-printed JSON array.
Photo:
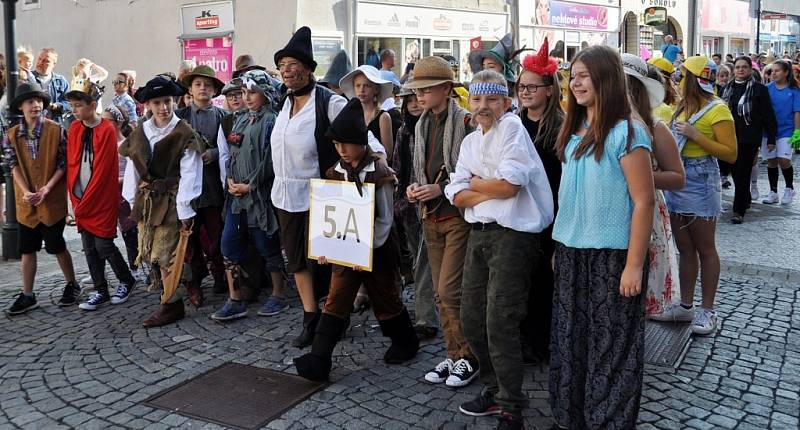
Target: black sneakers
[
  {"x": 23, "y": 304},
  {"x": 70, "y": 295},
  {"x": 480, "y": 406}
]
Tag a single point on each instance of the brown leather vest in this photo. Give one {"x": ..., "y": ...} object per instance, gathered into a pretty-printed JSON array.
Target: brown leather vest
[
  {"x": 36, "y": 174},
  {"x": 159, "y": 172}
]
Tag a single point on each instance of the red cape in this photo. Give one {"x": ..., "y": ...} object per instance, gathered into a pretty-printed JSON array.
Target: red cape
[{"x": 96, "y": 212}]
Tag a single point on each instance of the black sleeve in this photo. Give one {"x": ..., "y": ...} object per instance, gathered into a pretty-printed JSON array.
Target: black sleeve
[{"x": 770, "y": 123}]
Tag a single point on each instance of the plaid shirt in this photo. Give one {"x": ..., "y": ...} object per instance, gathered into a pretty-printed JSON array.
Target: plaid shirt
[{"x": 32, "y": 140}]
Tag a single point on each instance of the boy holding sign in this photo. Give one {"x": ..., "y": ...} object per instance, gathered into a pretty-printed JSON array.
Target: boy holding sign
[
  {"x": 360, "y": 165},
  {"x": 501, "y": 184}
]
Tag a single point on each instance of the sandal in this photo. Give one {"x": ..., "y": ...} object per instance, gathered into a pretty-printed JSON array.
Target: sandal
[{"x": 737, "y": 219}]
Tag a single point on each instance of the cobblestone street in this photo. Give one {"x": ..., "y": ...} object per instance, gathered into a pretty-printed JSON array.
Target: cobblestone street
[{"x": 65, "y": 368}]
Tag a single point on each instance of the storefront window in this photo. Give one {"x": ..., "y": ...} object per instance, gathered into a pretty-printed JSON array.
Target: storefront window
[
  {"x": 324, "y": 51},
  {"x": 369, "y": 50},
  {"x": 738, "y": 46},
  {"x": 711, "y": 46}
]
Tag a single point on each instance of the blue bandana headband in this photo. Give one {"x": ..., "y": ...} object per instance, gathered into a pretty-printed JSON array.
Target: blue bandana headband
[{"x": 481, "y": 88}]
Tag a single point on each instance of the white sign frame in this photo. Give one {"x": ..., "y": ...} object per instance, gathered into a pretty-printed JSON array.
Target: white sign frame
[
  {"x": 327, "y": 235},
  {"x": 221, "y": 10}
]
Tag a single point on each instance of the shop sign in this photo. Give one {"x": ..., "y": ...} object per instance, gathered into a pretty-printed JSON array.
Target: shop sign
[
  {"x": 205, "y": 19},
  {"x": 670, "y": 4},
  {"x": 655, "y": 15},
  {"x": 216, "y": 52},
  {"x": 391, "y": 19},
  {"x": 475, "y": 43},
  {"x": 773, "y": 16},
  {"x": 551, "y": 13}
]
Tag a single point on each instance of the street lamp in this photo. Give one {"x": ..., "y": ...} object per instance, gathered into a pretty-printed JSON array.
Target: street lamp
[{"x": 10, "y": 227}]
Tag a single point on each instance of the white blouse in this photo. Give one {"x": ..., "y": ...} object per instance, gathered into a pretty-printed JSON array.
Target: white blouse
[
  {"x": 505, "y": 152},
  {"x": 294, "y": 152},
  {"x": 190, "y": 185}
]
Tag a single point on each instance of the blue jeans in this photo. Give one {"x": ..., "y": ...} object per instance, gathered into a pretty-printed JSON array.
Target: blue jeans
[{"x": 235, "y": 236}]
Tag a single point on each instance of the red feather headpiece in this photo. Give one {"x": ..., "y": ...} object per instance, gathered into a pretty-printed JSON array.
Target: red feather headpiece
[{"x": 541, "y": 63}]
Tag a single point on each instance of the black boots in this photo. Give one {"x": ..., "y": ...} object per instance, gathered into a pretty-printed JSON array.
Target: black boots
[
  {"x": 404, "y": 339},
  {"x": 310, "y": 320},
  {"x": 316, "y": 365}
]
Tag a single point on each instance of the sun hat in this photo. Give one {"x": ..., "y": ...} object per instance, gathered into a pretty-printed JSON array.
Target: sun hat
[
  {"x": 429, "y": 72},
  {"x": 637, "y": 68},
  {"x": 373, "y": 75}
]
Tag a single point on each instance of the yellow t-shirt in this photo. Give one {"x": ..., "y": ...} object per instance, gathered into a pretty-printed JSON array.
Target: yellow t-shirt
[
  {"x": 716, "y": 114},
  {"x": 664, "y": 112}
]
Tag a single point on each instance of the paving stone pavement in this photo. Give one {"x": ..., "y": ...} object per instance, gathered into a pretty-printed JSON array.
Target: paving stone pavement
[{"x": 64, "y": 368}]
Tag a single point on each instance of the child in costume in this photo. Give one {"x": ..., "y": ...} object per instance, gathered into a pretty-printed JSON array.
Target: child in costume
[{"x": 360, "y": 165}]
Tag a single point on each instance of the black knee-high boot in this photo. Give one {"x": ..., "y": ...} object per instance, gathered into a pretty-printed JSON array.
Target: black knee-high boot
[
  {"x": 310, "y": 320},
  {"x": 316, "y": 365},
  {"x": 405, "y": 342}
]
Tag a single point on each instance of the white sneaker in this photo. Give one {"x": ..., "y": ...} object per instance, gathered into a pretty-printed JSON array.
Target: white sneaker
[
  {"x": 87, "y": 281},
  {"x": 675, "y": 313},
  {"x": 440, "y": 373},
  {"x": 754, "y": 195},
  {"x": 462, "y": 374},
  {"x": 771, "y": 198},
  {"x": 788, "y": 196},
  {"x": 705, "y": 322}
]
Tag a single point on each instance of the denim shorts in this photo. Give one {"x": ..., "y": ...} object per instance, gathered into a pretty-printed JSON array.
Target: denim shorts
[{"x": 702, "y": 195}]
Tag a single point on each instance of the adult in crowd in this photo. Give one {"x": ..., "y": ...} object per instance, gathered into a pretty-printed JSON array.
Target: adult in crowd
[
  {"x": 300, "y": 152},
  {"x": 669, "y": 49},
  {"x": 339, "y": 68},
  {"x": 750, "y": 104},
  {"x": 122, "y": 97},
  {"x": 54, "y": 84}
]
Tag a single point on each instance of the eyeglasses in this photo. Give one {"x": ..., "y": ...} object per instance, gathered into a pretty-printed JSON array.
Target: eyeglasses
[
  {"x": 532, "y": 88},
  {"x": 419, "y": 91},
  {"x": 118, "y": 82},
  {"x": 234, "y": 95},
  {"x": 283, "y": 66}
]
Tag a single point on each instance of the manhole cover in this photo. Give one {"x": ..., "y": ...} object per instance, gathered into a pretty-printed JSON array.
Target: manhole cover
[
  {"x": 665, "y": 343},
  {"x": 236, "y": 395}
]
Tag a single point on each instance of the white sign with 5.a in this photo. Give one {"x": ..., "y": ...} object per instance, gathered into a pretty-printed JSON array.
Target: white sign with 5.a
[{"x": 341, "y": 223}]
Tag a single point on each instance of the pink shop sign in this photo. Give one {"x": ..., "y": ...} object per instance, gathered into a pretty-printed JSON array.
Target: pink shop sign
[{"x": 216, "y": 52}]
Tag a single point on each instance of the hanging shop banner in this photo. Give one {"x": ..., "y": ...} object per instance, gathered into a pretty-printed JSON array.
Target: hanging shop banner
[
  {"x": 577, "y": 16},
  {"x": 390, "y": 19},
  {"x": 216, "y": 52}
]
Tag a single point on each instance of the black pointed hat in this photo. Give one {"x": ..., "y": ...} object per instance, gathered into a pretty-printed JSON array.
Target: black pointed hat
[
  {"x": 349, "y": 125},
  {"x": 340, "y": 66},
  {"x": 299, "y": 47}
]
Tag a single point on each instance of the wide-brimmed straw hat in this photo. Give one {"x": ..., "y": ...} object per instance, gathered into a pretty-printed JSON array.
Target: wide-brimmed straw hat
[{"x": 429, "y": 72}]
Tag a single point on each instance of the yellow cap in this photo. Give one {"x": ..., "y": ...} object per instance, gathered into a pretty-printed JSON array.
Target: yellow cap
[
  {"x": 663, "y": 64},
  {"x": 696, "y": 64}
]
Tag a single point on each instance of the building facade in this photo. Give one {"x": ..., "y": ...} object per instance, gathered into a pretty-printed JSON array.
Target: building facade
[{"x": 644, "y": 24}]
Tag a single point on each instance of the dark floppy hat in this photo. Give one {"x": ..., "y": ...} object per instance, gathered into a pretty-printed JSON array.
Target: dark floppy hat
[
  {"x": 502, "y": 52},
  {"x": 299, "y": 47},
  {"x": 340, "y": 66},
  {"x": 349, "y": 125},
  {"x": 205, "y": 72},
  {"x": 27, "y": 91},
  {"x": 159, "y": 86},
  {"x": 245, "y": 63}
]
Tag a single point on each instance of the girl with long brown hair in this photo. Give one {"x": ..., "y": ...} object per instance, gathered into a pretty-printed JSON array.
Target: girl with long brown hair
[
  {"x": 602, "y": 231},
  {"x": 703, "y": 128}
]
